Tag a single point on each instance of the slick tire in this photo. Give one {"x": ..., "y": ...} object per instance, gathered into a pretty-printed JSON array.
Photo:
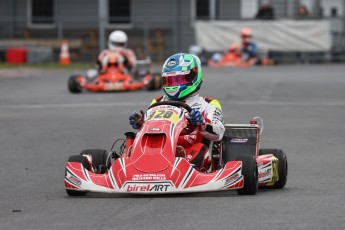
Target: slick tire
[
  {"x": 283, "y": 166},
  {"x": 73, "y": 85},
  {"x": 156, "y": 82},
  {"x": 250, "y": 174},
  {"x": 226, "y": 154},
  {"x": 99, "y": 157},
  {"x": 83, "y": 160}
]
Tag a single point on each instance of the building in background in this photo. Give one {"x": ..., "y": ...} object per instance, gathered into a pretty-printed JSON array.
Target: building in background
[{"x": 155, "y": 27}]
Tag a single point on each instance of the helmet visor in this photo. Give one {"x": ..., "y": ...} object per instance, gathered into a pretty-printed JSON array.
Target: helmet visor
[
  {"x": 118, "y": 44},
  {"x": 179, "y": 79},
  {"x": 247, "y": 36}
]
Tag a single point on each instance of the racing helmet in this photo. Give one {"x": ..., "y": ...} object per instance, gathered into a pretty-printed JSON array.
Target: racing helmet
[
  {"x": 117, "y": 40},
  {"x": 181, "y": 75},
  {"x": 246, "y": 33}
]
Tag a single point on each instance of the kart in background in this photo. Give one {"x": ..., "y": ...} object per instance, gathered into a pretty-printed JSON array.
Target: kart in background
[
  {"x": 115, "y": 79},
  {"x": 151, "y": 166},
  {"x": 235, "y": 58}
]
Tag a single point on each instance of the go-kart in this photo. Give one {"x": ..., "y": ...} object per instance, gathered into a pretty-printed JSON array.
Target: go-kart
[
  {"x": 235, "y": 58},
  {"x": 230, "y": 59},
  {"x": 115, "y": 78},
  {"x": 150, "y": 165}
]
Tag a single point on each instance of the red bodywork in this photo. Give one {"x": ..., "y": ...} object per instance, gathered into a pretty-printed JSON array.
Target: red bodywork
[
  {"x": 231, "y": 59},
  {"x": 113, "y": 80},
  {"x": 152, "y": 166}
]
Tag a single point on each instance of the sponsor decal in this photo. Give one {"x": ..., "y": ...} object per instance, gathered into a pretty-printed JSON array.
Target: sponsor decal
[
  {"x": 169, "y": 74},
  {"x": 232, "y": 178},
  {"x": 239, "y": 140},
  {"x": 265, "y": 173},
  {"x": 218, "y": 112},
  {"x": 154, "y": 129},
  {"x": 217, "y": 116},
  {"x": 138, "y": 177},
  {"x": 190, "y": 138},
  {"x": 196, "y": 106},
  {"x": 114, "y": 86},
  {"x": 148, "y": 187},
  {"x": 172, "y": 63},
  {"x": 74, "y": 180}
]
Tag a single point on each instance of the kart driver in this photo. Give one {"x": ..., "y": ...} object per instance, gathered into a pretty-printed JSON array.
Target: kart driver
[
  {"x": 248, "y": 48},
  {"x": 182, "y": 79},
  {"x": 117, "y": 46}
]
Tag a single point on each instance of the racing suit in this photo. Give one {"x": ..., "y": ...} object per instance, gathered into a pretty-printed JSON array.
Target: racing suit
[
  {"x": 129, "y": 59},
  {"x": 249, "y": 52},
  {"x": 196, "y": 147}
]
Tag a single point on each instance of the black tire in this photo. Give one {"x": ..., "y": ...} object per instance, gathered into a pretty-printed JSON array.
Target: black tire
[
  {"x": 83, "y": 160},
  {"x": 226, "y": 154},
  {"x": 250, "y": 174},
  {"x": 283, "y": 166},
  {"x": 99, "y": 157},
  {"x": 73, "y": 85},
  {"x": 155, "y": 83}
]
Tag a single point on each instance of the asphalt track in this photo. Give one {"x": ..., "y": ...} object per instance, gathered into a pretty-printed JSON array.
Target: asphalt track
[{"x": 303, "y": 108}]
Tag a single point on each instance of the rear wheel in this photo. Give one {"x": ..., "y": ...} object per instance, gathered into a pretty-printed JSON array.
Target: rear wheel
[
  {"x": 250, "y": 174},
  {"x": 99, "y": 159},
  {"x": 156, "y": 82},
  {"x": 83, "y": 160},
  {"x": 283, "y": 166},
  {"x": 73, "y": 84}
]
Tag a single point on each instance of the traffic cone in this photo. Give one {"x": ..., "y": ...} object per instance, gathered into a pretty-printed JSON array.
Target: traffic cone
[{"x": 64, "y": 54}]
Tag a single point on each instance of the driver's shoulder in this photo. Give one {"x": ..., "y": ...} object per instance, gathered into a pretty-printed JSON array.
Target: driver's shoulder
[{"x": 212, "y": 101}]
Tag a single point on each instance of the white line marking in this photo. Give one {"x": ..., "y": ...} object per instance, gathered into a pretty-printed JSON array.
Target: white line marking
[
  {"x": 287, "y": 103},
  {"x": 133, "y": 104},
  {"x": 74, "y": 105}
]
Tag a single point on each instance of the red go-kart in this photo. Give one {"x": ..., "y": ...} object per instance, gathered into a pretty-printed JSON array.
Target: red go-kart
[
  {"x": 115, "y": 78},
  {"x": 150, "y": 165}
]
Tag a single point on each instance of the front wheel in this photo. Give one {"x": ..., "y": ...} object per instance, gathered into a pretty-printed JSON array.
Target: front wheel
[
  {"x": 98, "y": 159},
  {"x": 250, "y": 174},
  {"x": 73, "y": 84},
  {"x": 283, "y": 166}
]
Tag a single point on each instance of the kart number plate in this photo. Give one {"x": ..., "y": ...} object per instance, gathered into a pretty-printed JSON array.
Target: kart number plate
[{"x": 163, "y": 114}]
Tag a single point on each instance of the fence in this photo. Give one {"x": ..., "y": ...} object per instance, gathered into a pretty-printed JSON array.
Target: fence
[{"x": 157, "y": 37}]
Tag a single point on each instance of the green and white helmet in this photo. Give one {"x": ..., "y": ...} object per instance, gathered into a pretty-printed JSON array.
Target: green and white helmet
[{"x": 182, "y": 75}]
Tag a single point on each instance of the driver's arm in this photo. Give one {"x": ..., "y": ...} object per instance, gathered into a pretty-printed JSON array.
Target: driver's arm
[
  {"x": 130, "y": 59},
  {"x": 213, "y": 128},
  {"x": 101, "y": 60}
]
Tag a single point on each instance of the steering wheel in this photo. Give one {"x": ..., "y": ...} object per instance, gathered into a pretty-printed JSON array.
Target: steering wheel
[{"x": 190, "y": 128}]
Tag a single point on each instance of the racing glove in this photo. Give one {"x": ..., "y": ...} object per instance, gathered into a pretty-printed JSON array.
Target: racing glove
[
  {"x": 136, "y": 120},
  {"x": 195, "y": 117}
]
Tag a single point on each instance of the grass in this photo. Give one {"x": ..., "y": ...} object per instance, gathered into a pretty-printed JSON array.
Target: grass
[{"x": 47, "y": 66}]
